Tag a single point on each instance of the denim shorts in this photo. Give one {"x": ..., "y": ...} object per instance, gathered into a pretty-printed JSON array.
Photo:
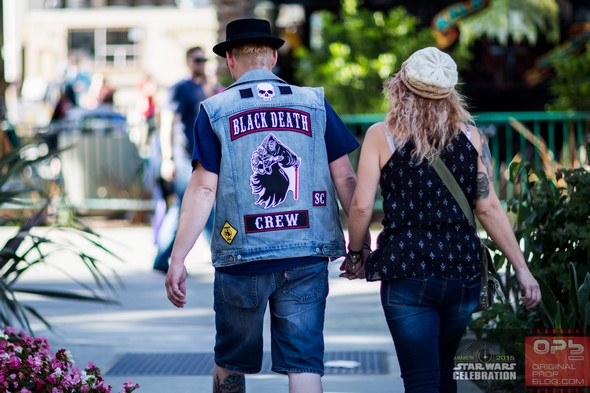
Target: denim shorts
[{"x": 297, "y": 302}]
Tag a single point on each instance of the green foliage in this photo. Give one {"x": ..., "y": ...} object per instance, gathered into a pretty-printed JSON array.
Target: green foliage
[
  {"x": 516, "y": 20},
  {"x": 27, "y": 248},
  {"x": 553, "y": 218},
  {"x": 506, "y": 21},
  {"x": 552, "y": 224},
  {"x": 576, "y": 313},
  {"x": 570, "y": 86},
  {"x": 359, "y": 50}
]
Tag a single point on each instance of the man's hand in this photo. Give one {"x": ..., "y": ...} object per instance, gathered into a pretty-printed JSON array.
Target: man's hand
[
  {"x": 176, "y": 284},
  {"x": 353, "y": 270}
]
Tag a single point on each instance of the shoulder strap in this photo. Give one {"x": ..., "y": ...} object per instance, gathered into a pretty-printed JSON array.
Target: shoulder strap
[
  {"x": 389, "y": 139},
  {"x": 390, "y": 143},
  {"x": 449, "y": 180}
]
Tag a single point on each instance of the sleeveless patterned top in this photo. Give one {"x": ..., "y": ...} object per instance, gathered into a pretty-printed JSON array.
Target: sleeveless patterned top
[{"x": 425, "y": 232}]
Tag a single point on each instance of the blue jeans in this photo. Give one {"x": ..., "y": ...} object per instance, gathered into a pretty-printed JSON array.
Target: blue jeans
[
  {"x": 297, "y": 302},
  {"x": 427, "y": 317}
]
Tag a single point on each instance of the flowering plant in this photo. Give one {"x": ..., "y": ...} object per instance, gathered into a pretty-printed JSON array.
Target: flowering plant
[{"x": 28, "y": 366}]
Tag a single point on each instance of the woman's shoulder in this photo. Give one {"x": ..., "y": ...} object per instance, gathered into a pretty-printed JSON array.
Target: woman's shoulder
[
  {"x": 376, "y": 129},
  {"x": 375, "y": 134},
  {"x": 472, "y": 133}
]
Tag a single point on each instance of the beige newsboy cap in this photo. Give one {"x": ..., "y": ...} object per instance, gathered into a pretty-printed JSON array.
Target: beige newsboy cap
[{"x": 430, "y": 73}]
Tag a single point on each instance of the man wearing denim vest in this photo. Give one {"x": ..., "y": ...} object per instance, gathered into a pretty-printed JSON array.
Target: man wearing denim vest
[{"x": 273, "y": 158}]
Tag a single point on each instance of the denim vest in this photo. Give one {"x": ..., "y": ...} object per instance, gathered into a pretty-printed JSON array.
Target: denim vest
[{"x": 275, "y": 195}]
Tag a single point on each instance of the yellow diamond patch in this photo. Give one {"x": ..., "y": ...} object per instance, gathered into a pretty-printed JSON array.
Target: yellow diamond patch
[{"x": 228, "y": 233}]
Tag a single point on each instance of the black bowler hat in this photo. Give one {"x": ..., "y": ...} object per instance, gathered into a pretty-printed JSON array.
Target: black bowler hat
[{"x": 247, "y": 31}]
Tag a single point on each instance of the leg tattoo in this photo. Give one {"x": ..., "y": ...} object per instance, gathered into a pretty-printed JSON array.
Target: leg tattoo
[{"x": 233, "y": 383}]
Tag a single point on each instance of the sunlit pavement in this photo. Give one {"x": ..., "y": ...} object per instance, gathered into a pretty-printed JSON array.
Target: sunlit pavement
[{"x": 145, "y": 322}]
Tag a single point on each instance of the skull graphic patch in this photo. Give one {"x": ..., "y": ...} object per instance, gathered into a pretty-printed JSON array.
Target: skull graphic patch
[{"x": 266, "y": 91}]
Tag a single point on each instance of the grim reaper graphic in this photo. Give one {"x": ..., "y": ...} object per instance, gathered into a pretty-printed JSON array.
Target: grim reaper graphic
[{"x": 275, "y": 171}]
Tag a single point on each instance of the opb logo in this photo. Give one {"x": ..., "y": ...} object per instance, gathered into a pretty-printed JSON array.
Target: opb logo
[
  {"x": 573, "y": 350},
  {"x": 557, "y": 361}
]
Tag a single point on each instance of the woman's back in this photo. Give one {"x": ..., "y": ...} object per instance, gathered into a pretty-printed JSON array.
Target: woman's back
[{"x": 425, "y": 230}]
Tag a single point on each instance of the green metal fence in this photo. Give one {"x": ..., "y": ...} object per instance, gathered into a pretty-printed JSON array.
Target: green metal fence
[{"x": 533, "y": 136}]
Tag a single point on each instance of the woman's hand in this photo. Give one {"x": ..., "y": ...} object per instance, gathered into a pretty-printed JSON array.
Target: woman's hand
[
  {"x": 353, "y": 270},
  {"x": 530, "y": 287}
]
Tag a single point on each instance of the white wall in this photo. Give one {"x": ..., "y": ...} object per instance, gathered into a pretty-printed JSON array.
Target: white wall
[{"x": 166, "y": 33}]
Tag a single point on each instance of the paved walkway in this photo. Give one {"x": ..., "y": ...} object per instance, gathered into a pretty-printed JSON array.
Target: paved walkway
[{"x": 146, "y": 323}]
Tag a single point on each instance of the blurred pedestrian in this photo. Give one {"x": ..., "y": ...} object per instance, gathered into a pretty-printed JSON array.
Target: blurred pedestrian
[
  {"x": 428, "y": 255},
  {"x": 177, "y": 120},
  {"x": 104, "y": 117},
  {"x": 273, "y": 157},
  {"x": 146, "y": 107},
  {"x": 63, "y": 112}
]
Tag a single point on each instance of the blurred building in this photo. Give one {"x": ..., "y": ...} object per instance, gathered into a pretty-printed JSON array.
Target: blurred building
[{"x": 47, "y": 41}]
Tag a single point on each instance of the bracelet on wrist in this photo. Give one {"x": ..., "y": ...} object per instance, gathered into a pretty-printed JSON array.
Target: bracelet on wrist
[{"x": 355, "y": 256}]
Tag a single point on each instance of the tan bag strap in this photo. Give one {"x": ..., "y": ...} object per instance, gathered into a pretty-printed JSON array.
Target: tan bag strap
[{"x": 449, "y": 180}]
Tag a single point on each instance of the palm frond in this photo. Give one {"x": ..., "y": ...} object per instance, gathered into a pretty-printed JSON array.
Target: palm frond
[
  {"x": 516, "y": 20},
  {"x": 27, "y": 249},
  {"x": 69, "y": 295}
]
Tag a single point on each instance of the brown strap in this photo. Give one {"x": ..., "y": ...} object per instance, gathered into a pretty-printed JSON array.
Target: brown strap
[{"x": 449, "y": 180}]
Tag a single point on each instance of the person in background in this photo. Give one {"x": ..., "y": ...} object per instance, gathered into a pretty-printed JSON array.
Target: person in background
[
  {"x": 428, "y": 255},
  {"x": 273, "y": 157},
  {"x": 146, "y": 89},
  {"x": 177, "y": 119},
  {"x": 104, "y": 116}
]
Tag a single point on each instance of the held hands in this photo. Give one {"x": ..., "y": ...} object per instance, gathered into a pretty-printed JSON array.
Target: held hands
[{"x": 354, "y": 265}]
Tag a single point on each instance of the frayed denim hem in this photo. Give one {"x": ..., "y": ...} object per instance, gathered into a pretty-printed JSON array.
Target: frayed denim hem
[
  {"x": 283, "y": 370},
  {"x": 237, "y": 369}
]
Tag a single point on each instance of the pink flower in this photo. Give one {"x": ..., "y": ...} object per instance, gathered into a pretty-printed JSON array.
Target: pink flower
[
  {"x": 27, "y": 363},
  {"x": 35, "y": 362},
  {"x": 14, "y": 362},
  {"x": 129, "y": 387}
]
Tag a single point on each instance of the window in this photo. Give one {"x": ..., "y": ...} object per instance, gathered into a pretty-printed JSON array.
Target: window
[{"x": 107, "y": 47}]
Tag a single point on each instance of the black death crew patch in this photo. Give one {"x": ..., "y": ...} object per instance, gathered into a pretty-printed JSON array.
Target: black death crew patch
[
  {"x": 269, "y": 119},
  {"x": 276, "y": 221},
  {"x": 275, "y": 172}
]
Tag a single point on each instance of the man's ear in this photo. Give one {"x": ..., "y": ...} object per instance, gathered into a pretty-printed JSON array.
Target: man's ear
[{"x": 275, "y": 57}]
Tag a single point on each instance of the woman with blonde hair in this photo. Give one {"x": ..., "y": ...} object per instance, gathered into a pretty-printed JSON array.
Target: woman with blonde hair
[{"x": 428, "y": 254}]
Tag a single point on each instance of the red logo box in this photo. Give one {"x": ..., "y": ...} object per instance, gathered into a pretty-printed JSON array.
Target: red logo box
[{"x": 558, "y": 360}]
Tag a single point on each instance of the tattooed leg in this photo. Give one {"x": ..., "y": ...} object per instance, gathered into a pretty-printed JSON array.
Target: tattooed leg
[
  {"x": 230, "y": 383},
  {"x": 483, "y": 186}
]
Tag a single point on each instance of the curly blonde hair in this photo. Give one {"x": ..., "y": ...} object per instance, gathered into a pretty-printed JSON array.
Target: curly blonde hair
[{"x": 430, "y": 124}]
